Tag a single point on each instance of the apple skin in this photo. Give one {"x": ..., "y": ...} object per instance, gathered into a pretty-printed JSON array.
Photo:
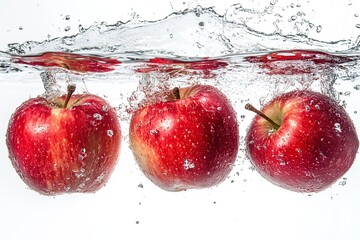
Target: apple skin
[
  {"x": 314, "y": 146},
  {"x": 59, "y": 150},
  {"x": 185, "y": 143}
]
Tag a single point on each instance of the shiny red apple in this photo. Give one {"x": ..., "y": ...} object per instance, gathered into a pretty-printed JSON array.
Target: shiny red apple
[
  {"x": 189, "y": 141},
  {"x": 302, "y": 141},
  {"x": 69, "y": 144},
  {"x": 70, "y": 61},
  {"x": 291, "y": 62}
]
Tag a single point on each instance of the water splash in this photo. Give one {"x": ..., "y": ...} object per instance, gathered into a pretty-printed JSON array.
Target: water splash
[{"x": 201, "y": 32}]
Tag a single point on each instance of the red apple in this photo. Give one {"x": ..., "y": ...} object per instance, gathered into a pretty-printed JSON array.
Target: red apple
[
  {"x": 175, "y": 67},
  {"x": 71, "y": 61},
  {"x": 69, "y": 144},
  {"x": 302, "y": 141},
  {"x": 290, "y": 62},
  {"x": 189, "y": 141}
]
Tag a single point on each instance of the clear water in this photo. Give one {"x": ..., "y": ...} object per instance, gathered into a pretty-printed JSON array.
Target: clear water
[{"x": 192, "y": 35}]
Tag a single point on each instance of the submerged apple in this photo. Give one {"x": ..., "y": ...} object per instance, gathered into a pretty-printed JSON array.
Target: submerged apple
[
  {"x": 302, "y": 141},
  {"x": 69, "y": 144},
  {"x": 189, "y": 141}
]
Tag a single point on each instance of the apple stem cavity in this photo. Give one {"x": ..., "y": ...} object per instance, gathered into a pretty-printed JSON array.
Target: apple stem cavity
[
  {"x": 176, "y": 93},
  {"x": 250, "y": 107},
  {"x": 70, "y": 90}
]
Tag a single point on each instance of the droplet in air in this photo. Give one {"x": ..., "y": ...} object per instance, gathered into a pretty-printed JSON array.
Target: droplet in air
[
  {"x": 67, "y": 17},
  {"x": 318, "y": 29},
  {"x": 67, "y": 28},
  {"x": 342, "y": 183},
  {"x": 81, "y": 28}
]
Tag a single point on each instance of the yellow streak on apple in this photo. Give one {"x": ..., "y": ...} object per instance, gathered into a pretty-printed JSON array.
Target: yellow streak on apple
[
  {"x": 139, "y": 147},
  {"x": 58, "y": 146}
]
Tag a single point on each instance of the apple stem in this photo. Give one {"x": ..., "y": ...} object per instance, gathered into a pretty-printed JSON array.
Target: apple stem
[
  {"x": 70, "y": 90},
  {"x": 176, "y": 93},
  {"x": 250, "y": 107}
]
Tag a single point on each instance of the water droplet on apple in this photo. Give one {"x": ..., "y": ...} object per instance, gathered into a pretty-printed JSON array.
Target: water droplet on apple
[
  {"x": 252, "y": 168},
  {"x": 80, "y": 187},
  {"x": 97, "y": 116},
  {"x": 218, "y": 108},
  {"x": 153, "y": 132},
  {"x": 110, "y": 133},
  {"x": 188, "y": 165},
  {"x": 317, "y": 106},
  {"x": 105, "y": 108},
  {"x": 337, "y": 127},
  {"x": 100, "y": 178},
  {"x": 307, "y": 108},
  {"x": 82, "y": 154}
]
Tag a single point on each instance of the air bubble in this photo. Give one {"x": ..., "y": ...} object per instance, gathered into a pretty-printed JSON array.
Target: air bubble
[
  {"x": 357, "y": 87},
  {"x": 293, "y": 18},
  {"x": 67, "y": 28},
  {"x": 357, "y": 25},
  {"x": 337, "y": 127},
  {"x": 67, "y": 17},
  {"x": 81, "y": 28},
  {"x": 318, "y": 29},
  {"x": 342, "y": 183}
]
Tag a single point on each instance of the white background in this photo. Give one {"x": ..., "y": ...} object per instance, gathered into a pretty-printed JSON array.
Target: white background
[{"x": 250, "y": 208}]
